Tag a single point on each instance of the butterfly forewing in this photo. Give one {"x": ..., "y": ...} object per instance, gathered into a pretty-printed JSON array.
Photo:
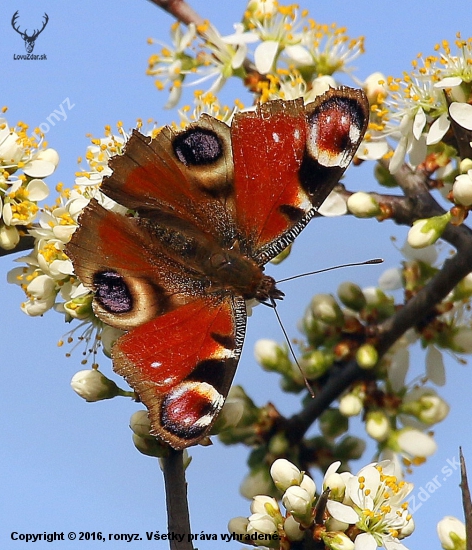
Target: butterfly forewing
[{"x": 287, "y": 159}]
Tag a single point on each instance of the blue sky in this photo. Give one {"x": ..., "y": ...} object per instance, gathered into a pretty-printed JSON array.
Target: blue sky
[{"x": 71, "y": 466}]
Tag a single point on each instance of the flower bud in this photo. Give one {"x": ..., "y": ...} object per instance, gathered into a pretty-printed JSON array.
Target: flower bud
[
  {"x": 465, "y": 165},
  {"x": 375, "y": 86},
  {"x": 426, "y": 405},
  {"x": 463, "y": 289},
  {"x": 326, "y": 309},
  {"x": 462, "y": 340},
  {"x": 261, "y": 523},
  {"x": 293, "y": 529},
  {"x": 315, "y": 363},
  {"x": 298, "y": 502},
  {"x": 367, "y": 356},
  {"x": 332, "y": 423},
  {"x": 309, "y": 485},
  {"x": 462, "y": 189},
  {"x": 257, "y": 482},
  {"x": 363, "y": 205},
  {"x": 426, "y": 232},
  {"x": 238, "y": 525},
  {"x": 350, "y": 405},
  {"x": 9, "y": 237},
  {"x": 271, "y": 356},
  {"x": 336, "y": 540},
  {"x": 451, "y": 533},
  {"x": 350, "y": 448},
  {"x": 262, "y": 504},
  {"x": 150, "y": 446},
  {"x": 140, "y": 424},
  {"x": 336, "y": 485},
  {"x": 377, "y": 425},
  {"x": 351, "y": 295},
  {"x": 92, "y": 385},
  {"x": 285, "y": 474},
  {"x": 230, "y": 415},
  {"x": 279, "y": 444}
]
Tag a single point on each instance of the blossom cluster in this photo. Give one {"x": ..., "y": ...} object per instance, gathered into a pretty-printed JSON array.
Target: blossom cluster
[
  {"x": 360, "y": 511},
  {"x": 290, "y": 53},
  {"x": 25, "y": 161},
  {"x": 398, "y": 407},
  {"x": 47, "y": 276}
]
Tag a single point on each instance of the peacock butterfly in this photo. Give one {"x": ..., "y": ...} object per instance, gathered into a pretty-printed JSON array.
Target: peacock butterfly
[{"x": 211, "y": 204}]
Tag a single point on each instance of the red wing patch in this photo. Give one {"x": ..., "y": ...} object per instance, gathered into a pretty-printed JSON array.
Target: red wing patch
[{"x": 182, "y": 363}]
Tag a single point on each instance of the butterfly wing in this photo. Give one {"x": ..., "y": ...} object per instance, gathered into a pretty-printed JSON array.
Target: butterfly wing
[
  {"x": 183, "y": 344},
  {"x": 287, "y": 159},
  {"x": 180, "y": 179},
  {"x": 182, "y": 364}
]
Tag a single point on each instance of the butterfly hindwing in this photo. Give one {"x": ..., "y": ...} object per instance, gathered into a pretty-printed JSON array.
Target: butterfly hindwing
[{"x": 182, "y": 365}]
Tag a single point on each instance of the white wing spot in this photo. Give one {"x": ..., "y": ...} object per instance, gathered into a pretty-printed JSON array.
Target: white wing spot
[{"x": 276, "y": 137}]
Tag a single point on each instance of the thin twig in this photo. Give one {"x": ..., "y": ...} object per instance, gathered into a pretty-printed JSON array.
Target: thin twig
[
  {"x": 180, "y": 10},
  {"x": 466, "y": 502},
  {"x": 178, "y": 519}
]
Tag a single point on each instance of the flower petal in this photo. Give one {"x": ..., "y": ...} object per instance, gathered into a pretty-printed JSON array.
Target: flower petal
[
  {"x": 37, "y": 190},
  {"x": 462, "y": 114},
  {"x": 438, "y": 130},
  {"x": 264, "y": 55},
  {"x": 341, "y": 512},
  {"x": 39, "y": 168},
  {"x": 448, "y": 82}
]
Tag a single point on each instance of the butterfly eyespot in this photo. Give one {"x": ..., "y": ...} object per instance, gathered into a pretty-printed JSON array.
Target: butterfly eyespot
[
  {"x": 126, "y": 302},
  {"x": 111, "y": 292},
  {"x": 335, "y": 129},
  {"x": 189, "y": 409},
  {"x": 196, "y": 147}
]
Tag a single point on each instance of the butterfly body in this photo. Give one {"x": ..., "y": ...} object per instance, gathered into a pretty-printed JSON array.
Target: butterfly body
[{"x": 213, "y": 204}]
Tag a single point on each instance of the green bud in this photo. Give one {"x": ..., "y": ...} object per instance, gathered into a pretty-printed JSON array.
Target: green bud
[
  {"x": 332, "y": 423},
  {"x": 315, "y": 363},
  {"x": 325, "y": 308},
  {"x": 367, "y": 356},
  {"x": 350, "y": 448},
  {"x": 150, "y": 446},
  {"x": 140, "y": 424},
  {"x": 427, "y": 231},
  {"x": 384, "y": 177},
  {"x": 363, "y": 205},
  {"x": 351, "y": 296}
]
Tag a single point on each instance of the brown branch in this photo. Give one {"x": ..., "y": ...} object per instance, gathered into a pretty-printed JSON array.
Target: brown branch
[
  {"x": 180, "y": 10},
  {"x": 26, "y": 243},
  {"x": 453, "y": 271},
  {"x": 178, "y": 519},
  {"x": 185, "y": 14},
  {"x": 466, "y": 502}
]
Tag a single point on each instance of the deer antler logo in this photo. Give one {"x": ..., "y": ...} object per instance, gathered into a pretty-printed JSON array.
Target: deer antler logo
[{"x": 29, "y": 40}]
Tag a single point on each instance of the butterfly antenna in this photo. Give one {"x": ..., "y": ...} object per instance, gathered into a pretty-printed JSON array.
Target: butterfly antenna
[
  {"x": 274, "y": 307},
  {"x": 367, "y": 262}
]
